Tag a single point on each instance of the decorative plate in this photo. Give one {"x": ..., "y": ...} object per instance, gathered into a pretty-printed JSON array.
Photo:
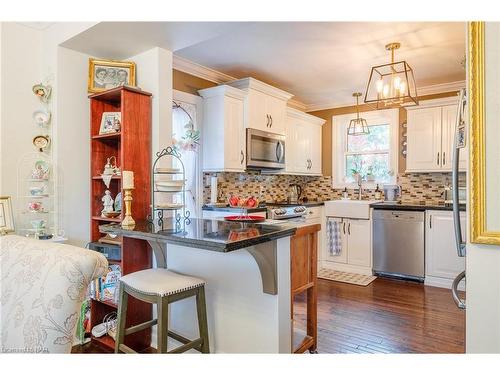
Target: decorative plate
[
  {"x": 41, "y": 142},
  {"x": 41, "y": 170},
  {"x": 42, "y": 92},
  {"x": 41, "y": 117}
]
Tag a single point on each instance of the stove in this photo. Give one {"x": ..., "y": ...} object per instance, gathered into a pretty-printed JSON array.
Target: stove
[{"x": 282, "y": 212}]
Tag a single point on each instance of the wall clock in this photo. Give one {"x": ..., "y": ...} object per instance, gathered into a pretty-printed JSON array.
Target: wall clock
[{"x": 41, "y": 142}]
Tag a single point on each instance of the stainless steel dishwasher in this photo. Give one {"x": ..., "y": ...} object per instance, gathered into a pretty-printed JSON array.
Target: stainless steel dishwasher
[{"x": 399, "y": 243}]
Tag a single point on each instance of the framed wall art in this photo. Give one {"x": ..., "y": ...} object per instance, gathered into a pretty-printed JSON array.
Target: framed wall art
[
  {"x": 484, "y": 115},
  {"x": 108, "y": 74}
]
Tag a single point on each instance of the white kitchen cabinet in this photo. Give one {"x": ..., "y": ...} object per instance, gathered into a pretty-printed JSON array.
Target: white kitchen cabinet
[
  {"x": 265, "y": 105},
  {"x": 359, "y": 242},
  {"x": 431, "y": 131},
  {"x": 449, "y": 118},
  {"x": 315, "y": 215},
  {"x": 442, "y": 264},
  {"x": 303, "y": 143},
  {"x": 224, "y": 146},
  {"x": 356, "y": 254},
  {"x": 424, "y": 139}
]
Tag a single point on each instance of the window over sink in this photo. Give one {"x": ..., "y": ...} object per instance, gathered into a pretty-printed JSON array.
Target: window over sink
[{"x": 373, "y": 155}]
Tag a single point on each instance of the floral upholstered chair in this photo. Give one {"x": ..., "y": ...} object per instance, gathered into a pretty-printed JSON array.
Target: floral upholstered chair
[{"x": 43, "y": 285}]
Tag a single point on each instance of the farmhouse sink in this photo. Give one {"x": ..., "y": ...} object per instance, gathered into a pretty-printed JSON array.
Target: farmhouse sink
[{"x": 351, "y": 208}]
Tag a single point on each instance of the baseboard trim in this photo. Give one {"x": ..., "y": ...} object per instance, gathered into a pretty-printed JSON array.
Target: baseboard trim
[{"x": 441, "y": 282}]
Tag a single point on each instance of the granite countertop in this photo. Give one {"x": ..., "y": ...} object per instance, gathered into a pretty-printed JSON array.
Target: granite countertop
[
  {"x": 412, "y": 206},
  {"x": 221, "y": 236}
]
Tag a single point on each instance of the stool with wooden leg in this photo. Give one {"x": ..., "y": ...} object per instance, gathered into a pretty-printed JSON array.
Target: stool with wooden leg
[{"x": 162, "y": 287}]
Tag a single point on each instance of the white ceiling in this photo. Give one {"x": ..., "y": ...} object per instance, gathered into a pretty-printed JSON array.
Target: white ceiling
[
  {"x": 121, "y": 40},
  {"x": 318, "y": 62},
  {"x": 325, "y": 62}
]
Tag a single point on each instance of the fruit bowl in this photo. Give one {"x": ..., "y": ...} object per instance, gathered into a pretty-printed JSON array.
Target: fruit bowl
[{"x": 244, "y": 203}]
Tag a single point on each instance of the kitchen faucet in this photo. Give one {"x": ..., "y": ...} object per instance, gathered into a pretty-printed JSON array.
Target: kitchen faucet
[{"x": 359, "y": 181}]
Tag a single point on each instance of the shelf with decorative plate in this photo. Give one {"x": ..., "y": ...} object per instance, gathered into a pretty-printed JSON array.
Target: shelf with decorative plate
[
  {"x": 107, "y": 136},
  {"x": 112, "y": 219},
  {"x": 115, "y": 177}
]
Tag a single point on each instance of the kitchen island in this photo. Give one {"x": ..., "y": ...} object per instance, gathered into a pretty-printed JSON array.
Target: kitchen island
[{"x": 246, "y": 267}]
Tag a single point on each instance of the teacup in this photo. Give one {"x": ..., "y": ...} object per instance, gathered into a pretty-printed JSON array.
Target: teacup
[
  {"x": 35, "y": 206},
  {"x": 38, "y": 224},
  {"x": 37, "y": 190}
]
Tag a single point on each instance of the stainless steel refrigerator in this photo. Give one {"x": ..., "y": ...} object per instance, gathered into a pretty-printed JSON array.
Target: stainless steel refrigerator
[{"x": 458, "y": 144}]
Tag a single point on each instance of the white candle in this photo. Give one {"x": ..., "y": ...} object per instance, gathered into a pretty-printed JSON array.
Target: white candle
[{"x": 128, "y": 179}]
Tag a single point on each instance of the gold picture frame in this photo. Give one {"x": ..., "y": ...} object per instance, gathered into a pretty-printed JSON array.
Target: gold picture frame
[
  {"x": 6, "y": 216},
  {"x": 108, "y": 74},
  {"x": 477, "y": 129}
]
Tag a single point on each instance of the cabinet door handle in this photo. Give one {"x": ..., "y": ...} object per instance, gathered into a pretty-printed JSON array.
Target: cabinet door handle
[
  {"x": 349, "y": 229},
  {"x": 437, "y": 160},
  {"x": 444, "y": 158},
  {"x": 430, "y": 222},
  {"x": 242, "y": 157},
  {"x": 267, "y": 123},
  {"x": 344, "y": 227},
  {"x": 271, "y": 124}
]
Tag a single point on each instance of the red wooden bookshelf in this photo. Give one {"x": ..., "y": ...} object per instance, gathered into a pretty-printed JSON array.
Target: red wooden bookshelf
[{"x": 132, "y": 149}]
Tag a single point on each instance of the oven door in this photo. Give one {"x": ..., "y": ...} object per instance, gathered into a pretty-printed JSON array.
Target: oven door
[{"x": 265, "y": 150}]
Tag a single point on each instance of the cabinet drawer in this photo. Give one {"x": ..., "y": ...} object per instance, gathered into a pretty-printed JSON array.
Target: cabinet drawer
[{"x": 313, "y": 212}]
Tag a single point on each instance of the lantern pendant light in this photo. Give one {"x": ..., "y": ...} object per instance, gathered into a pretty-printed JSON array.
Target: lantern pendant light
[
  {"x": 393, "y": 83},
  {"x": 358, "y": 125}
]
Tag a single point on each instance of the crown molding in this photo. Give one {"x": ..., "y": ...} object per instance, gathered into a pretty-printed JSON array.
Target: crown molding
[
  {"x": 294, "y": 103},
  {"x": 222, "y": 90},
  {"x": 187, "y": 66},
  {"x": 440, "y": 88},
  {"x": 254, "y": 84},
  {"x": 295, "y": 113},
  {"x": 200, "y": 71},
  {"x": 421, "y": 91}
]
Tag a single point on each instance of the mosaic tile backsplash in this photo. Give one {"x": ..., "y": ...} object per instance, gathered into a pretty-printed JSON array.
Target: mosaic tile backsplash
[{"x": 417, "y": 188}]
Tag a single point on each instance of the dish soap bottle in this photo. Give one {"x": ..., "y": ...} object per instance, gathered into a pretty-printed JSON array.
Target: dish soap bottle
[
  {"x": 378, "y": 193},
  {"x": 345, "y": 195}
]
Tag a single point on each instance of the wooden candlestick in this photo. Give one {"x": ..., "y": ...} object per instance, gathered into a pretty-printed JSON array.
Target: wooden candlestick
[{"x": 128, "y": 221}]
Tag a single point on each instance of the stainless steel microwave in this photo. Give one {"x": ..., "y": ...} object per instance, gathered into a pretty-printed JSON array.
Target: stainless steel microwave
[{"x": 265, "y": 150}]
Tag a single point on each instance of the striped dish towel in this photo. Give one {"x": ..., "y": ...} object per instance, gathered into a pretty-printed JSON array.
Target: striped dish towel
[{"x": 333, "y": 236}]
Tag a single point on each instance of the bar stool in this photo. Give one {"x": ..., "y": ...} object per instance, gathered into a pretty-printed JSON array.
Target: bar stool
[{"x": 161, "y": 287}]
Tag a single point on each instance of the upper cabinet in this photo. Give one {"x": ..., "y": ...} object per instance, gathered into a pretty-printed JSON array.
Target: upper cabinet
[
  {"x": 223, "y": 129},
  {"x": 265, "y": 106},
  {"x": 303, "y": 143},
  {"x": 431, "y": 131}
]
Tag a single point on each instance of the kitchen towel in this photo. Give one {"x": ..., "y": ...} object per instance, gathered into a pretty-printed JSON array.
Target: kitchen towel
[{"x": 333, "y": 236}]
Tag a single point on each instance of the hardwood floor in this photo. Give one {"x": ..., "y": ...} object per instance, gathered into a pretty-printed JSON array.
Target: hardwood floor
[{"x": 387, "y": 316}]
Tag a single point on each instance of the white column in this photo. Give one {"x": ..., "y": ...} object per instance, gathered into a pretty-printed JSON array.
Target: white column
[{"x": 154, "y": 74}]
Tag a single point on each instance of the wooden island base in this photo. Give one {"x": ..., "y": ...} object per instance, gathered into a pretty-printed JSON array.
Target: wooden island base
[{"x": 304, "y": 269}]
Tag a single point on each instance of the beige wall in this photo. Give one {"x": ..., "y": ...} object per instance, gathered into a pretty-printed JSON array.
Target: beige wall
[
  {"x": 327, "y": 128},
  {"x": 187, "y": 83}
]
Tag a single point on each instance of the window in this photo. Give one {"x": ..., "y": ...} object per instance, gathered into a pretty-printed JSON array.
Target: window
[
  {"x": 186, "y": 109},
  {"x": 374, "y": 155}
]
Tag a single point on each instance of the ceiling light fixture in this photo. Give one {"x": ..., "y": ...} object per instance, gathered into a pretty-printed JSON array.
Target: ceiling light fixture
[
  {"x": 358, "y": 125},
  {"x": 393, "y": 83}
]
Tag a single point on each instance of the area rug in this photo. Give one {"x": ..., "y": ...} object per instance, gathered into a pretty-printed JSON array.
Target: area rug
[{"x": 345, "y": 277}]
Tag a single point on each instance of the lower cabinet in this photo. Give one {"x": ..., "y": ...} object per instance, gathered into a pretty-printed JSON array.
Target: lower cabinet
[
  {"x": 356, "y": 252},
  {"x": 359, "y": 242},
  {"x": 442, "y": 264}
]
